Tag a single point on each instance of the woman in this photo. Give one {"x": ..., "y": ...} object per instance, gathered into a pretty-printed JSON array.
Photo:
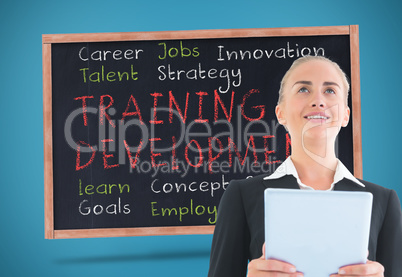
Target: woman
[{"x": 313, "y": 107}]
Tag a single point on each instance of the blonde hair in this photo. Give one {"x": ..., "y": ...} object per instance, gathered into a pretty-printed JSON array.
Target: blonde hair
[{"x": 305, "y": 59}]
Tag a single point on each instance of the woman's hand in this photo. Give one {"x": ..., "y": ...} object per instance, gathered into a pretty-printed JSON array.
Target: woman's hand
[
  {"x": 265, "y": 268},
  {"x": 372, "y": 269}
]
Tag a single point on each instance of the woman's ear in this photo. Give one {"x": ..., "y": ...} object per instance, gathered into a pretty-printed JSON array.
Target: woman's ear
[
  {"x": 345, "y": 120},
  {"x": 279, "y": 115}
]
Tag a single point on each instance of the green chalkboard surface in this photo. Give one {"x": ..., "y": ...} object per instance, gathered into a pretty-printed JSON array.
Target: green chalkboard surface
[{"x": 144, "y": 131}]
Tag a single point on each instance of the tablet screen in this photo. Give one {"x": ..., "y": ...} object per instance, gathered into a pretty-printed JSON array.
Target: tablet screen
[{"x": 317, "y": 231}]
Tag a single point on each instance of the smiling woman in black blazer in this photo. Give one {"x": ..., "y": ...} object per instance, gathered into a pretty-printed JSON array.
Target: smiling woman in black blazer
[{"x": 313, "y": 107}]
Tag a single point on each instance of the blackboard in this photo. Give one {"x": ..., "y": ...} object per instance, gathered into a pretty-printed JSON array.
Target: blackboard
[{"x": 144, "y": 131}]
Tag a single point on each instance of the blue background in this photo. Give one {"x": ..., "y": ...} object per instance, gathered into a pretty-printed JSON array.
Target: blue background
[{"x": 23, "y": 249}]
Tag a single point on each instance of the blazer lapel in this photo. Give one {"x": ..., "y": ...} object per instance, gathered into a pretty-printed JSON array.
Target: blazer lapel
[{"x": 348, "y": 185}]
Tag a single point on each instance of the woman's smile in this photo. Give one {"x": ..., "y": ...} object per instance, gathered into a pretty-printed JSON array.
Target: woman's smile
[{"x": 319, "y": 117}]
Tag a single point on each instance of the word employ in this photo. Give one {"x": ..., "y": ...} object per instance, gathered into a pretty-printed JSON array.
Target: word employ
[
  {"x": 102, "y": 55},
  {"x": 173, "y": 52},
  {"x": 182, "y": 211},
  {"x": 112, "y": 209},
  {"x": 257, "y": 54},
  {"x": 193, "y": 186},
  {"x": 99, "y": 76},
  {"x": 200, "y": 73}
]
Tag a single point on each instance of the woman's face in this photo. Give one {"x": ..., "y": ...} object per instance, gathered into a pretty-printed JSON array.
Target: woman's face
[{"x": 313, "y": 105}]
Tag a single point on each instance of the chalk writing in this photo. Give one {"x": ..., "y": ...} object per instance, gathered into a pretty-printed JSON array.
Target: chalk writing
[
  {"x": 190, "y": 209},
  {"x": 173, "y": 52},
  {"x": 153, "y": 131},
  {"x": 279, "y": 53},
  {"x": 103, "y": 55},
  {"x": 110, "y": 76}
]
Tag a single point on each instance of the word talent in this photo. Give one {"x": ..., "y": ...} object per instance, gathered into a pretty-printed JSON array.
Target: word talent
[{"x": 110, "y": 76}]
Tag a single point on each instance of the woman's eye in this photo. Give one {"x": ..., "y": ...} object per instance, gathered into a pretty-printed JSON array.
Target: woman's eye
[
  {"x": 303, "y": 90},
  {"x": 330, "y": 91}
]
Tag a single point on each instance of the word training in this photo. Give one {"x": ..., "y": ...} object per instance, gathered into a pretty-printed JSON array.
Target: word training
[{"x": 199, "y": 99}]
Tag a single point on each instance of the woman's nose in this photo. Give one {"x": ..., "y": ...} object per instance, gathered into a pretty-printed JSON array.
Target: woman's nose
[{"x": 318, "y": 101}]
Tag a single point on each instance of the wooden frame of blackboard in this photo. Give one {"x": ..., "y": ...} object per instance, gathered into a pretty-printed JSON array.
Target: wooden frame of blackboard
[{"x": 47, "y": 40}]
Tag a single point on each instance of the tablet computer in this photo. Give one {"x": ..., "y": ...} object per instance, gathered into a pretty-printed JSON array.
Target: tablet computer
[{"x": 317, "y": 231}]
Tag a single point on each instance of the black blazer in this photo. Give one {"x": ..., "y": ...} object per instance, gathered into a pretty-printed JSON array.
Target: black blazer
[{"x": 239, "y": 231}]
